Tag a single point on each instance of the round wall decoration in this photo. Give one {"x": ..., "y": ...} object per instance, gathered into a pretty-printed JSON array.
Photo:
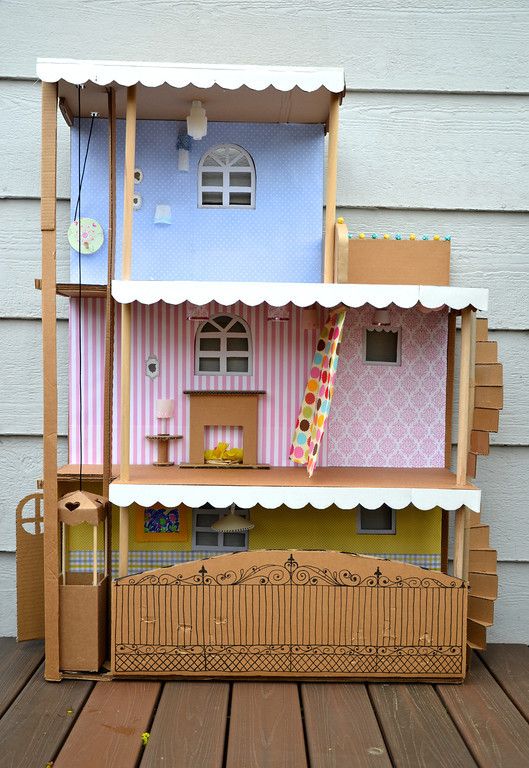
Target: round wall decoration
[{"x": 92, "y": 236}]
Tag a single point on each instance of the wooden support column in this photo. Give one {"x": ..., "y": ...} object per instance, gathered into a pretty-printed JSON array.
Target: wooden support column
[
  {"x": 461, "y": 540},
  {"x": 48, "y": 217},
  {"x": 465, "y": 380},
  {"x": 126, "y": 314},
  {"x": 108, "y": 394},
  {"x": 330, "y": 193}
]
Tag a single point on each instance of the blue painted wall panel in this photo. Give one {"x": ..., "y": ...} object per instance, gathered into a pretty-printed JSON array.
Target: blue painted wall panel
[{"x": 279, "y": 240}]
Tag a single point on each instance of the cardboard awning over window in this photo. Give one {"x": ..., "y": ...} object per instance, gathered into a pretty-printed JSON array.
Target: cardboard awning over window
[
  {"x": 300, "y": 294},
  {"x": 230, "y": 92}
]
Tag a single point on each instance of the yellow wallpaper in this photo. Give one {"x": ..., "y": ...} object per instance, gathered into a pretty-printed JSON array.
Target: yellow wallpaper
[
  {"x": 333, "y": 528},
  {"x": 283, "y": 528}
]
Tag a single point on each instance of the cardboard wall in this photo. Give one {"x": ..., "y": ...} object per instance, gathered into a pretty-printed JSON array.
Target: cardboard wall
[{"x": 279, "y": 240}]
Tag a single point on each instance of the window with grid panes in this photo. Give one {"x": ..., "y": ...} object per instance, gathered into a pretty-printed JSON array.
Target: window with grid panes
[
  {"x": 223, "y": 346},
  {"x": 226, "y": 178},
  {"x": 206, "y": 537}
]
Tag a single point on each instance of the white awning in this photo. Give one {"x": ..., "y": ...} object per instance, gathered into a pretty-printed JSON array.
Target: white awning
[
  {"x": 300, "y": 294},
  {"x": 153, "y": 74},
  {"x": 294, "y": 497},
  {"x": 230, "y": 92}
]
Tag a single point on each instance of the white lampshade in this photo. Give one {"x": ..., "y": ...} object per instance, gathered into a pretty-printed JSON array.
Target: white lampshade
[
  {"x": 197, "y": 122},
  {"x": 162, "y": 214},
  {"x": 164, "y": 409}
]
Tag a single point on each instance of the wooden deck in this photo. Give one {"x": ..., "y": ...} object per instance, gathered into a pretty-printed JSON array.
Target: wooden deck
[{"x": 81, "y": 724}]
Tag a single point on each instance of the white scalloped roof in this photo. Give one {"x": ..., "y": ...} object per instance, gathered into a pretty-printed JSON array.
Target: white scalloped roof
[
  {"x": 231, "y": 93},
  {"x": 300, "y": 294},
  {"x": 294, "y": 497},
  {"x": 227, "y": 76}
]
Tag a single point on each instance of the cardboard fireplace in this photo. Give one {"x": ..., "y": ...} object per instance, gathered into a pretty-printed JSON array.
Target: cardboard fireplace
[{"x": 260, "y": 477}]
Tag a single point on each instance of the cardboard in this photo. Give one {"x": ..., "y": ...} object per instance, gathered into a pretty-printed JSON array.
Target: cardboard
[
  {"x": 290, "y": 613},
  {"x": 399, "y": 262},
  {"x": 83, "y": 623},
  {"x": 30, "y": 568},
  {"x": 486, "y": 419},
  {"x": 226, "y": 409},
  {"x": 489, "y": 397},
  {"x": 490, "y": 375},
  {"x": 486, "y": 352},
  {"x": 479, "y": 442}
]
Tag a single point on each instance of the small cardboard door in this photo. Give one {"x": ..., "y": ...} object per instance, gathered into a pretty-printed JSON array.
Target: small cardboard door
[{"x": 30, "y": 568}]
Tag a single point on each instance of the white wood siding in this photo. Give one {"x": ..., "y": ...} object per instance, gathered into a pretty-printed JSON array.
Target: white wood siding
[{"x": 434, "y": 138}]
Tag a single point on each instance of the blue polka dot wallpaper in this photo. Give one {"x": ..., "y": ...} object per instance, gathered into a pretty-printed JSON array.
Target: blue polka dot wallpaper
[{"x": 280, "y": 239}]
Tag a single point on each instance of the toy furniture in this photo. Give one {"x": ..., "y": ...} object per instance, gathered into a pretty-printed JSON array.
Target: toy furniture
[{"x": 204, "y": 271}]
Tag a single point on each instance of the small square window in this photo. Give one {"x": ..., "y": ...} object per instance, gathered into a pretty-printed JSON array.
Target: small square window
[
  {"x": 376, "y": 521},
  {"x": 382, "y": 346}
]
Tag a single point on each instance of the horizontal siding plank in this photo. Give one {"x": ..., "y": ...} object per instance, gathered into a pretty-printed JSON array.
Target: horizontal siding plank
[
  {"x": 21, "y": 382},
  {"x": 20, "y": 467},
  {"x": 21, "y": 259},
  {"x": 429, "y": 45},
  {"x": 20, "y": 134},
  {"x": 432, "y": 151},
  {"x": 396, "y": 150}
]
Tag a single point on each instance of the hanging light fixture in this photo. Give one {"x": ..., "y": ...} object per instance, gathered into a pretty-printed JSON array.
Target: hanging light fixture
[
  {"x": 381, "y": 317},
  {"x": 197, "y": 122},
  {"x": 232, "y": 523}
]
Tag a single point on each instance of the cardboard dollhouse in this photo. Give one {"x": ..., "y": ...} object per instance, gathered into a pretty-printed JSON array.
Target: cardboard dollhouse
[{"x": 260, "y": 402}]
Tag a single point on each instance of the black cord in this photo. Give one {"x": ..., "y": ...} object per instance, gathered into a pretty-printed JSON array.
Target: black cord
[
  {"x": 79, "y": 318},
  {"x": 78, "y": 204}
]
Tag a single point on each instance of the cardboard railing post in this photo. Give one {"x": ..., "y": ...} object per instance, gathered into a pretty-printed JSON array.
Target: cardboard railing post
[
  {"x": 330, "y": 193},
  {"x": 49, "y": 361},
  {"x": 465, "y": 383}
]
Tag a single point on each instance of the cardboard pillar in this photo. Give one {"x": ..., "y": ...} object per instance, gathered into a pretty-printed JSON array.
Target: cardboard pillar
[
  {"x": 49, "y": 359},
  {"x": 330, "y": 193},
  {"x": 465, "y": 380}
]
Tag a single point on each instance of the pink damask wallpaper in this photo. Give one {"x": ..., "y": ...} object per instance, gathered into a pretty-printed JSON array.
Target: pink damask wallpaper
[{"x": 391, "y": 416}]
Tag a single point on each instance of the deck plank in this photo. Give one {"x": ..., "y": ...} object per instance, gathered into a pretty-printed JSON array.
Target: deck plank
[
  {"x": 18, "y": 661},
  {"x": 189, "y": 727},
  {"x": 510, "y": 666},
  {"x": 109, "y": 729},
  {"x": 38, "y": 721},
  {"x": 417, "y": 729},
  {"x": 494, "y": 730},
  {"x": 266, "y": 729},
  {"x": 339, "y": 723}
]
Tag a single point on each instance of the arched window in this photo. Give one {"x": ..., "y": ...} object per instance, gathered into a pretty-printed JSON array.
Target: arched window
[
  {"x": 223, "y": 346},
  {"x": 226, "y": 178}
]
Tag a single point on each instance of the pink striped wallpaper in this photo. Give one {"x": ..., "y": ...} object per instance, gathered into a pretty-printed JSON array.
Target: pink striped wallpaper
[
  {"x": 282, "y": 355},
  {"x": 380, "y": 416}
]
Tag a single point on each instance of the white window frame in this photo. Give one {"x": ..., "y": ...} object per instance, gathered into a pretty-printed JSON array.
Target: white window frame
[
  {"x": 225, "y": 169},
  {"x": 223, "y": 354},
  {"x": 221, "y": 512},
  {"x": 375, "y": 532},
  {"x": 375, "y": 328}
]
